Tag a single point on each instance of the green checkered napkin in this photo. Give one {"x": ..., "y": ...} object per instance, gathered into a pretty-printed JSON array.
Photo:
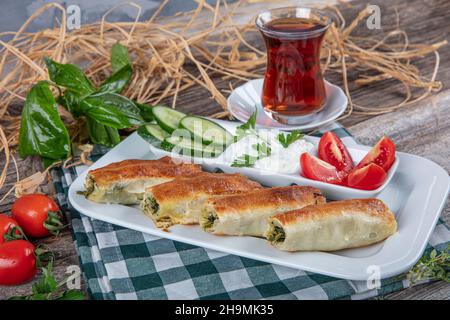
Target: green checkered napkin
[{"x": 120, "y": 263}]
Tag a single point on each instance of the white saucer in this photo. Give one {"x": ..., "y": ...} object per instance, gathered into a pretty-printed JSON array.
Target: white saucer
[{"x": 244, "y": 99}]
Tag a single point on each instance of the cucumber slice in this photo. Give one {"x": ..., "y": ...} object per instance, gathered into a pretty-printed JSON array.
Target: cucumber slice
[
  {"x": 153, "y": 134},
  {"x": 207, "y": 130},
  {"x": 167, "y": 118},
  {"x": 192, "y": 148}
]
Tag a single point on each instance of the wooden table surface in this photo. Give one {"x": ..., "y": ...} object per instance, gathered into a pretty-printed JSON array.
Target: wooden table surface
[{"x": 422, "y": 129}]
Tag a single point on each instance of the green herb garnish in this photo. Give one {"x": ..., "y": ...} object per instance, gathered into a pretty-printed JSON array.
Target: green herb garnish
[
  {"x": 246, "y": 128},
  {"x": 47, "y": 288},
  {"x": 432, "y": 267},
  {"x": 287, "y": 139},
  {"x": 247, "y": 160}
]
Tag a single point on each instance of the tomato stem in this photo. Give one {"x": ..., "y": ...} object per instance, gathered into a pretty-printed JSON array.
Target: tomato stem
[
  {"x": 53, "y": 222},
  {"x": 14, "y": 233}
]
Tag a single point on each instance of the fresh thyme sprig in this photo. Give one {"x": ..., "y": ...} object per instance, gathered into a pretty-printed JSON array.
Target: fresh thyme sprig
[{"x": 434, "y": 266}]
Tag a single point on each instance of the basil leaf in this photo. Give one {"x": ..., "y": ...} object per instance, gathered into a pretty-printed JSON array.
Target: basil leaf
[
  {"x": 122, "y": 70},
  {"x": 119, "y": 57},
  {"x": 70, "y": 101},
  {"x": 69, "y": 76},
  {"x": 111, "y": 109},
  {"x": 117, "y": 81},
  {"x": 101, "y": 134},
  {"x": 146, "y": 111},
  {"x": 42, "y": 131}
]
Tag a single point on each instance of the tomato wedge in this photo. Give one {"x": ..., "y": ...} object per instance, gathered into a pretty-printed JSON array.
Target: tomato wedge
[
  {"x": 382, "y": 154},
  {"x": 316, "y": 169},
  {"x": 333, "y": 151},
  {"x": 369, "y": 177}
]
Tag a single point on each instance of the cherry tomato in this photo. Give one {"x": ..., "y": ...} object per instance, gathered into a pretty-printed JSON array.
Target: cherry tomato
[
  {"x": 382, "y": 154},
  {"x": 332, "y": 150},
  {"x": 369, "y": 177},
  {"x": 17, "y": 262},
  {"x": 316, "y": 169},
  {"x": 37, "y": 214},
  {"x": 6, "y": 225}
]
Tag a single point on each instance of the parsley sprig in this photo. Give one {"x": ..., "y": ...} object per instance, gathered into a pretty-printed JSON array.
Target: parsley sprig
[
  {"x": 47, "y": 288},
  {"x": 288, "y": 139},
  {"x": 247, "y": 160},
  {"x": 246, "y": 128}
]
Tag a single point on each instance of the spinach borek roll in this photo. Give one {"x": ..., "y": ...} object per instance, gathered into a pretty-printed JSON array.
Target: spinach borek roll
[
  {"x": 247, "y": 214},
  {"x": 180, "y": 201},
  {"x": 332, "y": 226},
  {"x": 124, "y": 182}
]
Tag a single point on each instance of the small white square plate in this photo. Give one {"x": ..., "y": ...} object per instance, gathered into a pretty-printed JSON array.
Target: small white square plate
[{"x": 416, "y": 194}]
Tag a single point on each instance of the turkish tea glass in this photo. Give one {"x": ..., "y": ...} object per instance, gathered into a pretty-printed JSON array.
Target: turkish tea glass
[{"x": 294, "y": 88}]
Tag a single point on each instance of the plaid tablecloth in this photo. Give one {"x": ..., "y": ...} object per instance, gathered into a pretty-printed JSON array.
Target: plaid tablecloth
[{"x": 120, "y": 263}]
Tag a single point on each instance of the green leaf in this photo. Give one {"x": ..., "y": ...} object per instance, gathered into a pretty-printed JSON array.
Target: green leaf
[
  {"x": 69, "y": 76},
  {"x": 47, "y": 283},
  {"x": 42, "y": 131},
  {"x": 122, "y": 70},
  {"x": 247, "y": 160},
  {"x": 117, "y": 81},
  {"x": 72, "y": 295},
  {"x": 288, "y": 139},
  {"x": 112, "y": 110},
  {"x": 101, "y": 134},
  {"x": 434, "y": 266},
  {"x": 119, "y": 57},
  {"x": 246, "y": 128},
  {"x": 146, "y": 111},
  {"x": 71, "y": 101}
]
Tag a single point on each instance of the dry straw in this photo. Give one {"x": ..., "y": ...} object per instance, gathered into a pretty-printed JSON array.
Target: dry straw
[{"x": 171, "y": 55}]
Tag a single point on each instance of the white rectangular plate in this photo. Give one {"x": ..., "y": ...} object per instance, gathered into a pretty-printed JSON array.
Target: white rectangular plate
[{"x": 416, "y": 194}]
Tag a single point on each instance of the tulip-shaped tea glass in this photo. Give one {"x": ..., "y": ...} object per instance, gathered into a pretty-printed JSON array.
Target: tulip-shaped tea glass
[{"x": 294, "y": 89}]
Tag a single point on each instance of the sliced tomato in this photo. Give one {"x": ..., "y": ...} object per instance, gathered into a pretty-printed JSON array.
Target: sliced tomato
[
  {"x": 382, "y": 154},
  {"x": 333, "y": 151},
  {"x": 369, "y": 177},
  {"x": 316, "y": 169}
]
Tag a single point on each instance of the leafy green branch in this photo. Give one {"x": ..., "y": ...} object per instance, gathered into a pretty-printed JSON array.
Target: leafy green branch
[
  {"x": 434, "y": 266},
  {"x": 47, "y": 288},
  {"x": 104, "y": 110}
]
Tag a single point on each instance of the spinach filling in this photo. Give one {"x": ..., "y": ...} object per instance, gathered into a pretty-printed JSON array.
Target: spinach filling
[
  {"x": 208, "y": 219},
  {"x": 150, "y": 205},
  {"x": 276, "y": 234},
  {"x": 90, "y": 186}
]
